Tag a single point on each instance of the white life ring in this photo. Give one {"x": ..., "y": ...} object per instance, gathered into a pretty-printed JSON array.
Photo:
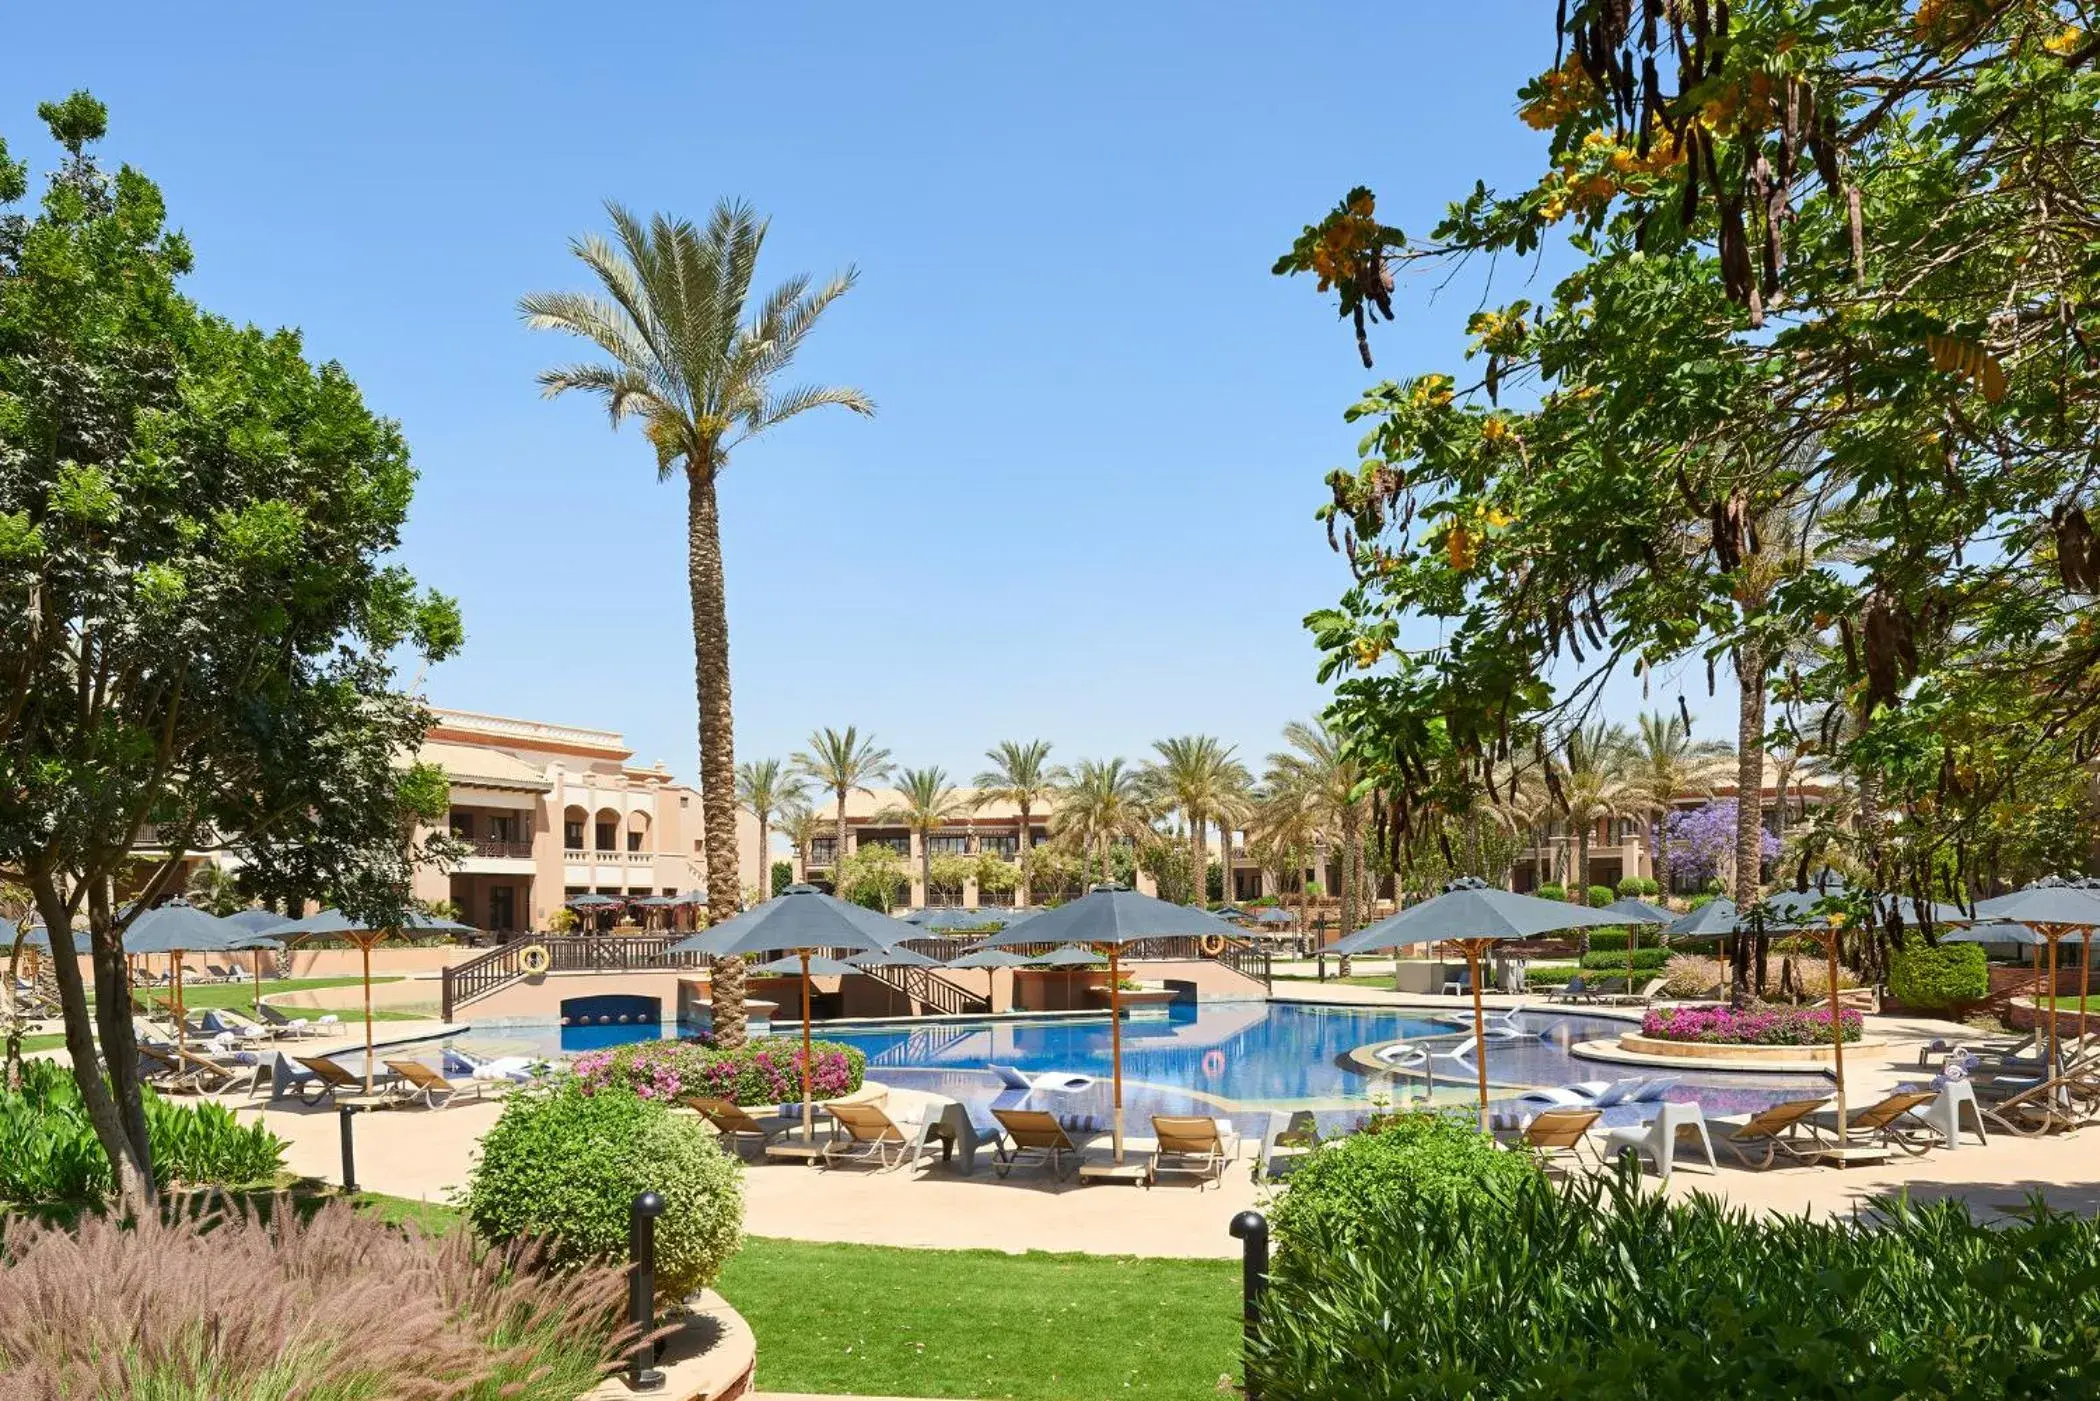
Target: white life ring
[{"x": 534, "y": 960}]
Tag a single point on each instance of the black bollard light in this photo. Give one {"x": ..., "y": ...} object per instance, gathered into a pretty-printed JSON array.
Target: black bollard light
[
  {"x": 641, "y": 1291},
  {"x": 1251, "y": 1230},
  {"x": 343, "y": 1113}
]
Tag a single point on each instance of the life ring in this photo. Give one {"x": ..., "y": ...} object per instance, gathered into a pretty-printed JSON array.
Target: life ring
[
  {"x": 1213, "y": 1063},
  {"x": 1212, "y": 945},
  {"x": 533, "y": 960}
]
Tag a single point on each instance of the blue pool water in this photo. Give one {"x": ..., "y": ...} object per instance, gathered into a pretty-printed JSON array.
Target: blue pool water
[{"x": 1245, "y": 1057}]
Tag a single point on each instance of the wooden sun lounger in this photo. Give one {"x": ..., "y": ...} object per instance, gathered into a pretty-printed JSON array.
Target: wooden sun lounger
[
  {"x": 869, "y": 1135},
  {"x": 737, "y": 1124},
  {"x": 419, "y": 1083},
  {"x": 1192, "y": 1143},
  {"x": 1033, "y": 1132},
  {"x": 1889, "y": 1124},
  {"x": 1784, "y": 1128},
  {"x": 1560, "y": 1136},
  {"x": 330, "y": 1077}
]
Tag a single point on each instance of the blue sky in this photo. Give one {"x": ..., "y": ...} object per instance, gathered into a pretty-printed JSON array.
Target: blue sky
[{"x": 1084, "y": 510}]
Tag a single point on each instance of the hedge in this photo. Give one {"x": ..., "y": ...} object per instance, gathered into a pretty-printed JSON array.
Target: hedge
[
  {"x": 1610, "y": 959},
  {"x": 1598, "y": 1291},
  {"x": 1932, "y": 978}
]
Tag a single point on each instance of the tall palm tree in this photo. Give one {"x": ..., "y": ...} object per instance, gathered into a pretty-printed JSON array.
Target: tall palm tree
[
  {"x": 1664, "y": 763},
  {"x": 1590, "y": 769},
  {"x": 841, "y": 764},
  {"x": 803, "y": 825},
  {"x": 701, "y": 367},
  {"x": 1021, "y": 773},
  {"x": 1316, "y": 766},
  {"x": 765, "y": 789},
  {"x": 1102, "y": 801},
  {"x": 1199, "y": 775},
  {"x": 929, "y": 805},
  {"x": 1282, "y": 829}
]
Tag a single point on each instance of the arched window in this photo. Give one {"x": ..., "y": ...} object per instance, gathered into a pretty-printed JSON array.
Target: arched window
[
  {"x": 572, "y": 824},
  {"x": 608, "y": 830},
  {"x": 637, "y": 831}
]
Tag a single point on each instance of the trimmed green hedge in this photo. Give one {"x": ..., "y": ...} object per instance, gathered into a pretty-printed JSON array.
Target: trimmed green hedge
[
  {"x": 1600, "y": 896},
  {"x": 1611, "y": 960},
  {"x": 1640, "y": 887},
  {"x": 1615, "y": 938},
  {"x": 1932, "y": 979},
  {"x": 1598, "y": 1291},
  {"x": 1552, "y": 890}
]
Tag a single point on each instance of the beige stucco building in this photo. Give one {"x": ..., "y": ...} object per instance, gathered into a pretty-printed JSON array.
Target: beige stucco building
[{"x": 551, "y": 811}]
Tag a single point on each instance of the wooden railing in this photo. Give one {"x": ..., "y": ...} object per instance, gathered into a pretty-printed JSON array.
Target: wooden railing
[
  {"x": 938, "y": 995},
  {"x": 475, "y": 979}
]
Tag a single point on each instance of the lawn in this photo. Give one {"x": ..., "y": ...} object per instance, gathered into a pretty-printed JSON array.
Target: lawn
[
  {"x": 877, "y": 1321},
  {"x": 240, "y": 997}
]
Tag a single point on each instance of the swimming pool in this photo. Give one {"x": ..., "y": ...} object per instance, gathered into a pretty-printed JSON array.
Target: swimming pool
[{"x": 1240, "y": 1056}]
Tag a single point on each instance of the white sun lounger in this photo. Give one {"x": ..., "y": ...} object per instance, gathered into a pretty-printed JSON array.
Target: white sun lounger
[{"x": 1054, "y": 1082}]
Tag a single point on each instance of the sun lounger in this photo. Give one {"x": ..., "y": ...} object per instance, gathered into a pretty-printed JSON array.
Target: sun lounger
[
  {"x": 1193, "y": 1143},
  {"x": 1758, "y": 1139},
  {"x": 420, "y": 1084},
  {"x": 224, "y": 975},
  {"x": 1595, "y": 1094},
  {"x": 1411, "y": 1055},
  {"x": 1890, "y": 1124},
  {"x": 1050, "y": 1082},
  {"x": 1032, "y": 1132},
  {"x": 1560, "y": 1136},
  {"x": 1646, "y": 995},
  {"x": 1577, "y": 989},
  {"x": 327, "y": 1078},
  {"x": 505, "y": 1070},
  {"x": 220, "y": 1021},
  {"x": 293, "y": 1026},
  {"x": 867, "y": 1134},
  {"x": 2032, "y": 1106},
  {"x": 210, "y": 1076},
  {"x": 1496, "y": 1025},
  {"x": 737, "y": 1124}
]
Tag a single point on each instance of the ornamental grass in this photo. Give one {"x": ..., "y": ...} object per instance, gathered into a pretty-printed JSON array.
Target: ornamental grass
[{"x": 338, "y": 1306}]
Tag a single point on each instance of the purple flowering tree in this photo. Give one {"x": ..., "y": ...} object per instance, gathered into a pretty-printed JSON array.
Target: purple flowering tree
[{"x": 1701, "y": 841}]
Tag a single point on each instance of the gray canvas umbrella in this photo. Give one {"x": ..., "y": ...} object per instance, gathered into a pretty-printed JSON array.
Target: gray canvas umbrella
[
  {"x": 177, "y": 929},
  {"x": 899, "y": 957},
  {"x": 1110, "y": 918},
  {"x": 989, "y": 958},
  {"x": 365, "y": 935},
  {"x": 1070, "y": 956},
  {"x": 2055, "y": 909},
  {"x": 257, "y": 921},
  {"x": 1229, "y": 912},
  {"x": 800, "y": 920},
  {"x": 819, "y": 967},
  {"x": 1472, "y": 914},
  {"x": 1272, "y": 915},
  {"x": 1715, "y": 919},
  {"x": 1635, "y": 911}
]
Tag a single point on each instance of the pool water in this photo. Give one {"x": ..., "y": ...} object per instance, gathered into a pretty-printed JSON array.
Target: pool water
[{"x": 1246, "y": 1058}]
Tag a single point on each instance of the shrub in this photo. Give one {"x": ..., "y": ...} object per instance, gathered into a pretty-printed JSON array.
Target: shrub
[
  {"x": 49, "y": 1152},
  {"x": 1609, "y": 959},
  {"x": 1558, "y": 975},
  {"x": 340, "y": 1306},
  {"x": 1703, "y": 899},
  {"x": 758, "y": 1072},
  {"x": 1753, "y": 1026},
  {"x": 1434, "y": 1160},
  {"x": 1600, "y": 896},
  {"x": 1931, "y": 979},
  {"x": 1552, "y": 890},
  {"x": 1598, "y": 1292},
  {"x": 1689, "y": 976},
  {"x": 1642, "y": 887},
  {"x": 564, "y": 1165},
  {"x": 1615, "y": 939}
]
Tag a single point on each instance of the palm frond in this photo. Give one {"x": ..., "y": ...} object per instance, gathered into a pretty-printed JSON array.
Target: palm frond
[{"x": 778, "y": 409}]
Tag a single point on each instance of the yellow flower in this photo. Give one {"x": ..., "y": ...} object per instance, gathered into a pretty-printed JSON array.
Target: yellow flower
[
  {"x": 2064, "y": 40},
  {"x": 1460, "y": 548},
  {"x": 1494, "y": 430}
]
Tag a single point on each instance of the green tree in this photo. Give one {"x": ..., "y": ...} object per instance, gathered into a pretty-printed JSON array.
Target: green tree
[
  {"x": 1020, "y": 773},
  {"x": 1588, "y": 778},
  {"x": 1103, "y": 802},
  {"x": 1198, "y": 774},
  {"x": 1664, "y": 763},
  {"x": 873, "y": 876},
  {"x": 841, "y": 764},
  {"x": 928, "y": 805},
  {"x": 199, "y": 622},
  {"x": 689, "y": 353},
  {"x": 1330, "y": 784},
  {"x": 767, "y": 789}
]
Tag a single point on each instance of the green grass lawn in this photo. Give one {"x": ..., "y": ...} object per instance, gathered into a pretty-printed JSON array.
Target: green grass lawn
[
  {"x": 240, "y": 997},
  {"x": 1366, "y": 980},
  {"x": 872, "y": 1320}
]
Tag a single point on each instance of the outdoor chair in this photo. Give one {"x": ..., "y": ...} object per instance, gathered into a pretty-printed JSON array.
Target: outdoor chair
[
  {"x": 1560, "y": 1136},
  {"x": 1291, "y": 1145},
  {"x": 1597, "y": 1094},
  {"x": 207, "y": 1076},
  {"x": 327, "y": 1080},
  {"x": 870, "y": 1136},
  {"x": 158, "y": 1066},
  {"x": 224, "y": 975},
  {"x": 1758, "y": 1139},
  {"x": 420, "y": 1084},
  {"x": 1889, "y": 1124},
  {"x": 1674, "y": 1126},
  {"x": 1192, "y": 1143},
  {"x": 220, "y": 1021},
  {"x": 292, "y": 1026},
  {"x": 1051, "y": 1082},
  {"x": 1646, "y": 995},
  {"x": 1577, "y": 989},
  {"x": 1497, "y": 1025},
  {"x": 2030, "y": 1106},
  {"x": 1414, "y": 1056},
  {"x": 736, "y": 1124},
  {"x": 1036, "y": 1132},
  {"x": 1458, "y": 984}
]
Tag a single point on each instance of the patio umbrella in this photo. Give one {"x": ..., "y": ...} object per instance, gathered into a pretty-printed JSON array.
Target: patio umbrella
[
  {"x": 899, "y": 957},
  {"x": 1272, "y": 915},
  {"x": 258, "y": 943},
  {"x": 257, "y": 921},
  {"x": 1635, "y": 911},
  {"x": 1472, "y": 914},
  {"x": 1109, "y": 919},
  {"x": 819, "y": 967},
  {"x": 800, "y": 920},
  {"x": 1714, "y": 919},
  {"x": 989, "y": 958},
  {"x": 176, "y": 929},
  {"x": 366, "y": 937},
  {"x": 2055, "y": 909},
  {"x": 590, "y": 902},
  {"x": 1229, "y": 912},
  {"x": 1070, "y": 956}
]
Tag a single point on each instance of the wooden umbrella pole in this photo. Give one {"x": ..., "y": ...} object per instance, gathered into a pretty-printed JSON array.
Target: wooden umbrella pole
[
  {"x": 2085, "y": 972},
  {"x": 175, "y": 962},
  {"x": 1480, "y": 1061},
  {"x": 365, "y": 947},
  {"x": 1837, "y": 1037},
  {"x": 2053, "y": 932},
  {"x": 1115, "y": 1043},
  {"x": 809, "y": 1109},
  {"x": 255, "y": 966}
]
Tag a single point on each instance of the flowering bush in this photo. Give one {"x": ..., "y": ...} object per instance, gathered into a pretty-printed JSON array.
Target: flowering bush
[
  {"x": 1754, "y": 1026},
  {"x": 760, "y": 1072}
]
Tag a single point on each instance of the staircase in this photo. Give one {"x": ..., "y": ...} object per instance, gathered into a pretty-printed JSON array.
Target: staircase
[
  {"x": 469, "y": 982},
  {"x": 935, "y": 995}
]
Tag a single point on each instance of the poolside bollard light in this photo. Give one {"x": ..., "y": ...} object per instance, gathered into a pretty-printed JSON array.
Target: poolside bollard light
[
  {"x": 641, "y": 1292},
  {"x": 1251, "y": 1229},
  {"x": 343, "y": 1114}
]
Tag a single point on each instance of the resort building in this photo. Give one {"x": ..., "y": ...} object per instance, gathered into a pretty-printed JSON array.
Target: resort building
[{"x": 553, "y": 811}]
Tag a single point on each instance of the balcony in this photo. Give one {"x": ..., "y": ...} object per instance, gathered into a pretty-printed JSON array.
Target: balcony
[{"x": 500, "y": 846}]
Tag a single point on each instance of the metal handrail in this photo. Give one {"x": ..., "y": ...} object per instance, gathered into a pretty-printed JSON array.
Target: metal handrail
[{"x": 468, "y": 982}]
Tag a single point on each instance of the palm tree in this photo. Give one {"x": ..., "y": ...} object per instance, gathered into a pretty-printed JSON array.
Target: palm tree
[
  {"x": 1281, "y": 830},
  {"x": 841, "y": 764},
  {"x": 929, "y": 805},
  {"x": 1102, "y": 801},
  {"x": 1197, "y": 774},
  {"x": 1328, "y": 780},
  {"x": 767, "y": 790},
  {"x": 803, "y": 824},
  {"x": 1590, "y": 773},
  {"x": 1021, "y": 774},
  {"x": 1665, "y": 763},
  {"x": 683, "y": 357}
]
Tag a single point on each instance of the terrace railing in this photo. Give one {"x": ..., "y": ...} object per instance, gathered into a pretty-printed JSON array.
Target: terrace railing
[
  {"x": 469, "y": 982},
  {"x": 936, "y": 994}
]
